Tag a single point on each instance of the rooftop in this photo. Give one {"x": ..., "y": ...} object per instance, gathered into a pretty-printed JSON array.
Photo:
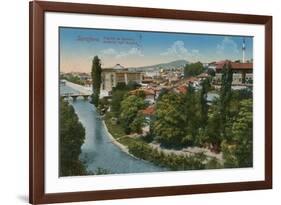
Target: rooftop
[
  {"x": 150, "y": 110},
  {"x": 234, "y": 65},
  {"x": 182, "y": 89},
  {"x": 116, "y": 67}
]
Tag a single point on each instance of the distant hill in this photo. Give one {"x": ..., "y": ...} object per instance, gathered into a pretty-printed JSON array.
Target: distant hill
[{"x": 164, "y": 66}]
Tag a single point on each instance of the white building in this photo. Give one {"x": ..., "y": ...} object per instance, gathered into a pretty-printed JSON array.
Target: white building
[{"x": 118, "y": 74}]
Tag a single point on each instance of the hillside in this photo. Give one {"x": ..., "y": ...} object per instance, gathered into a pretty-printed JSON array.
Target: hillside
[{"x": 165, "y": 66}]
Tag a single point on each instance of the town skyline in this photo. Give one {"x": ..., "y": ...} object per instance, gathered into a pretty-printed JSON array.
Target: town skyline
[
  {"x": 141, "y": 48},
  {"x": 181, "y": 115}
]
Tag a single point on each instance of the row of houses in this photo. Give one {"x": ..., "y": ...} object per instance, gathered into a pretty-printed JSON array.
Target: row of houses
[{"x": 242, "y": 75}]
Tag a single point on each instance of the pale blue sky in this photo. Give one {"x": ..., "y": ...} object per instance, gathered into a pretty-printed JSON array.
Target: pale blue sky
[{"x": 138, "y": 48}]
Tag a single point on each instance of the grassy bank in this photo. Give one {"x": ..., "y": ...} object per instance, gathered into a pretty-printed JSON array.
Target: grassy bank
[
  {"x": 117, "y": 131},
  {"x": 140, "y": 149}
]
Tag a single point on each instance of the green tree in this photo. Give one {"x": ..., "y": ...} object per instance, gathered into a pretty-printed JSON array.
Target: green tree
[
  {"x": 193, "y": 69},
  {"x": 119, "y": 93},
  {"x": 130, "y": 108},
  {"x": 203, "y": 101},
  {"x": 211, "y": 72},
  {"x": 138, "y": 123},
  {"x": 246, "y": 93},
  {"x": 103, "y": 105},
  {"x": 117, "y": 97},
  {"x": 72, "y": 135},
  {"x": 169, "y": 124},
  {"x": 192, "y": 114},
  {"x": 225, "y": 96},
  {"x": 238, "y": 151},
  {"x": 213, "y": 127},
  {"x": 96, "y": 79}
]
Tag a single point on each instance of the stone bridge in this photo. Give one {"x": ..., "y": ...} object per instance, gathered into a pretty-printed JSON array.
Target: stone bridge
[{"x": 74, "y": 96}]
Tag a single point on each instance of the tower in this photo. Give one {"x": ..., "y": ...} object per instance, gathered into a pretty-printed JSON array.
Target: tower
[{"x": 243, "y": 50}]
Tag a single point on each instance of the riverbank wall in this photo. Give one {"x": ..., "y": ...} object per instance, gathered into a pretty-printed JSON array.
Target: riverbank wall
[{"x": 122, "y": 147}]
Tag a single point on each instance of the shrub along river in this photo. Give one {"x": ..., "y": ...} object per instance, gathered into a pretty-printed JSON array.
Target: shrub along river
[{"x": 98, "y": 151}]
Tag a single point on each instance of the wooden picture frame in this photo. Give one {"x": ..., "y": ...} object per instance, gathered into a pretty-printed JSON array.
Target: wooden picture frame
[{"x": 37, "y": 11}]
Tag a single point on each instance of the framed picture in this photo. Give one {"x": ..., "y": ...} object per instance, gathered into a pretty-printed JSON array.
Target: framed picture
[{"x": 139, "y": 102}]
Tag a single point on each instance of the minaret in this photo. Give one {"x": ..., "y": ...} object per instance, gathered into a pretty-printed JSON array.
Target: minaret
[{"x": 243, "y": 50}]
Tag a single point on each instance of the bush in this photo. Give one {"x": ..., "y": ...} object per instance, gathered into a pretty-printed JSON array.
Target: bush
[{"x": 172, "y": 161}]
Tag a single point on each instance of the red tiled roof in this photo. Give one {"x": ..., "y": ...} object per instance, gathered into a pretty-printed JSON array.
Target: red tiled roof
[
  {"x": 149, "y": 110},
  {"x": 234, "y": 65},
  {"x": 182, "y": 89}
]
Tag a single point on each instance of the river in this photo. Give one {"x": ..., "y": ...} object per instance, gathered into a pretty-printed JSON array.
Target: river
[{"x": 98, "y": 151}]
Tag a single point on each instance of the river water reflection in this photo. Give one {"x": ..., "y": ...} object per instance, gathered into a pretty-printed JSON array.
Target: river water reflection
[{"x": 98, "y": 151}]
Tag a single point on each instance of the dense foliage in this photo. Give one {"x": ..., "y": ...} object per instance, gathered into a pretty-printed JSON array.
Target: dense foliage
[
  {"x": 169, "y": 124},
  {"x": 193, "y": 69},
  {"x": 225, "y": 97},
  {"x": 211, "y": 72},
  {"x": 203, "y": 101},
  {"x": 72, "y": 135},
  {"x": 189, "y": 120},
  {"x": 238, "y": 150},
  {"x": 180, "y": 117},
  {"x": 130, "y": 117},
  {"x": 118, "y": 94}
]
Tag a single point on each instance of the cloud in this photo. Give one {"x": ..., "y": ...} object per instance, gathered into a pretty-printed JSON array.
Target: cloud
[
  {"x": 121, "y": 54},
  {"x": 227, "y": 46},
  {"x": 179, "y": 50},
  {"x": 131, "y": 52},
  {"x": 109, "y": 51}
]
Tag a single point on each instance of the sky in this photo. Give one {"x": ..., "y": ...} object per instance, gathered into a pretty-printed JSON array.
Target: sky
[{"x": 78, "y": 46}]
